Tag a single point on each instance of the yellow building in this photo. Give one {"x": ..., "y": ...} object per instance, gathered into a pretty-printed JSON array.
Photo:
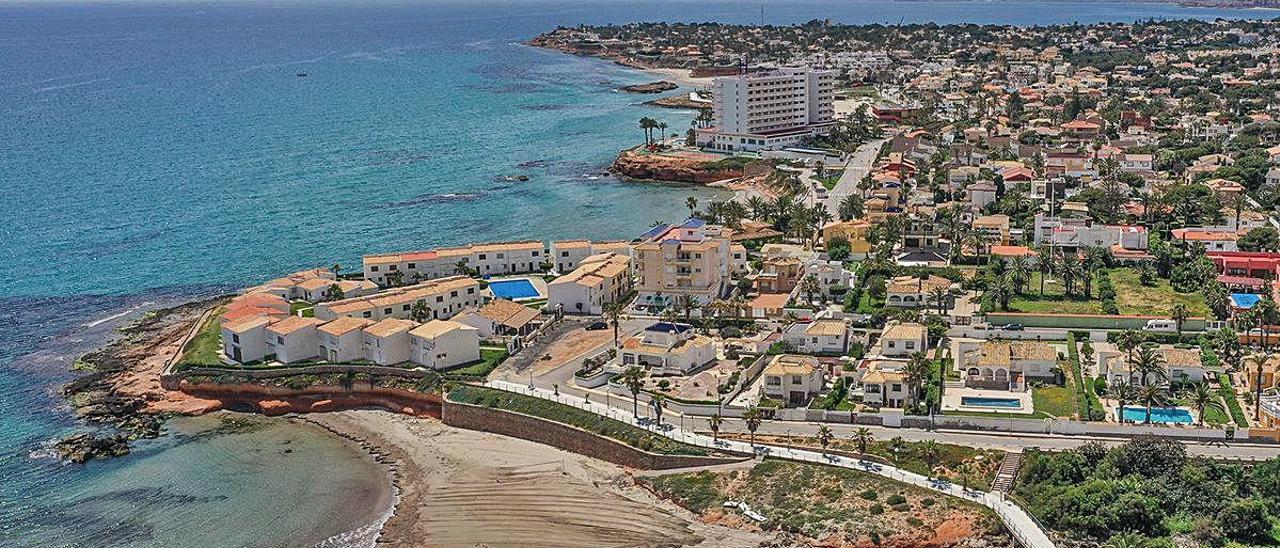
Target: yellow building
[{"x": 854, "y": 231}]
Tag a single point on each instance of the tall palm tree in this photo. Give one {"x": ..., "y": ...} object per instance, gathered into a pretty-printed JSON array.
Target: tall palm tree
[
  {"x": 613, "y": 311},
  {"x": 1201, "y": 398},
  {"x": 714, "y": 421},
  {"x": 420, "y": 313},
  {"x": 1255, "y": 364},
  {"x": 662, "y": 130},
  {"x": 863, "y": 437},
  {"x": 851, "y": 207},
  {"x": 1124, "y": 393},
  {"x": 686, "y": 304},
  {"x": 1019, "y": 272},
  {"x": 754, "y": 416},
  {"x": 810, "y": 286},
  {"x": 460, "y": 267},
  {"x": 1150, "y": 362},
  {"x": 1180, "y": 315},
  {"x": 929, "y": 453},
  {"x": 917, "y": 371},
  {"x": 760, "y": 208},
  {"x": 940, "y": 297},
  {"x": 1153, "y": 395},
  {"x": 691, "y": 203},
  {"x": 336, "y": 268},
  {"x": 1044, "y": 264},
  {"x": 824, "y": 437},
  {"x": 633, "y": 378},
  {"x": 1127, "y": 341}
]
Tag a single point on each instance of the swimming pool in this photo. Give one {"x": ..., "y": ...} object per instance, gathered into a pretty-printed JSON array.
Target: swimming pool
[
  {"x": 513, "y": 289},
  {"x": 1166, "y": 415},
  {"x": 1002, "y": 403}
]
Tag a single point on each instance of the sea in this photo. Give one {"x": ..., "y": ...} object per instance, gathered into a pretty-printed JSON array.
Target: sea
[{"x": 153, "y": 152}]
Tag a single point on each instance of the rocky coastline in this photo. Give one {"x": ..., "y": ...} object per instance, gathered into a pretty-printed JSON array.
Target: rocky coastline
[
  {"x": 651, "y": 87},
  {"x": 633, "y": 164}
]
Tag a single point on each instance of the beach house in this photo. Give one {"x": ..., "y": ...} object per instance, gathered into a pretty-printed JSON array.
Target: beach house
[
  {"x": 441, "y": 344},
  {"x": 668, "y": 349},
  {"x": 342, "y": 340},
  {"x": 1005, "y": 365},
  {"x": 294, "y": 339},
  {"x": 567, "y": 255},
  {"x": 387, "y": 342},
  {"x": 598, "y": 281},
  {"x": 501, "y": 318},
  {"x": 245, "y": 340}
]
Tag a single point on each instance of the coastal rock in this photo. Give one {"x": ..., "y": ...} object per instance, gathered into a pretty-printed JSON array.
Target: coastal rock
[
  {"x": 511, "y": 178},
  {"x": 653, "y": 167},
  {"x": 81, "y": 448},
  {"x": 651, "y": 87},
  {"x": 682, "y": 102}
]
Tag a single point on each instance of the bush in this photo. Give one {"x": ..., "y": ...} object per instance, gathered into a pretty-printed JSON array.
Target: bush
[
  {"x": 664, "y": 384},
  {"x": 1246, "y": 521},
  {"x": 876, "y": 509},
  {"x": 901, "y": 507},
  {"x": 869, "y": 494},
  {"x": 896, "y": 499}
]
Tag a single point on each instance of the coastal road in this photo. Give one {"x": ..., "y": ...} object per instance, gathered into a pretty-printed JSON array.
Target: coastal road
[
  {"x": 858, "y": 166},
  {"x": 1004, "y": 442}
]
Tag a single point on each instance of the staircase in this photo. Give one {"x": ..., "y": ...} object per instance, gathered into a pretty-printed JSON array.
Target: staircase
[{"x": 1007, "y": 473}]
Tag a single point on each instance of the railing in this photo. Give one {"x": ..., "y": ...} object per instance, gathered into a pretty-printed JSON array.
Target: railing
[{"x": 1024, "y": 528}]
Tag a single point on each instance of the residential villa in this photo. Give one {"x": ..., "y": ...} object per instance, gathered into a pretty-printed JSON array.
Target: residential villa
[
  {"x": 823, "y": 336},
  {"x": 884, "y": 384},
  {"x": 288, "y": 287},
  {"x": 387, "y": 342},
  {"x": 779, "y": 275},
  {"x": 912, "y": 292},
  {"x": 691, "y": 259},
  {"x": 854, "y": 231},
  {"x": 442, "y": 298},
  {"x": 792, "y": 379},
  {"x": 900, "y": 340},
  {"x": 321, "y": 289},
  {"x": 598, "y": 281},
  {"x": 1005, "y": 365},
  {"x": 668, "y": 349},
  {"x": 441, "y": 344},
  {"x": 245, "y": 340},
  {"x": 1179, "y": 365},
  {"x": 501, "y": 318},
  {"x": 491, "y": 259}
]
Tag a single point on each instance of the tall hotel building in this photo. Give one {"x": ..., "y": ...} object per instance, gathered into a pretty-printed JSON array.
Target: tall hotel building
[{"x": 769, "y": 110}]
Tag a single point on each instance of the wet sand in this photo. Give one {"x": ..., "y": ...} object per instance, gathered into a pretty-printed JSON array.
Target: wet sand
[{"x": 463, "y": 488}]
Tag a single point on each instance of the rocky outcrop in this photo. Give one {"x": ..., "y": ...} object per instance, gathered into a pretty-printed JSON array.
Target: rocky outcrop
[
  {"x": 651, "y": 87},
  {"x": 682, "y": 102},
  {"x": 654, "y": 167},
  {"x": 81, "y": 448}
]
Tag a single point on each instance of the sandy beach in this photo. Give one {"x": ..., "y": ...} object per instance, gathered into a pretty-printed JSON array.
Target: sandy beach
[
  {"x": 464, "y": 488},
  {"x": 679, "y": 76}
]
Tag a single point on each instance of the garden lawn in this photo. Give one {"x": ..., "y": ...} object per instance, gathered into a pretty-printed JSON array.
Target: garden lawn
[
  {"x": 1054, "y": 401},
  {"x": 205, "y": 348},
  {"x": 489, "y": 360},
  {"x": 1134, "y": 298}
]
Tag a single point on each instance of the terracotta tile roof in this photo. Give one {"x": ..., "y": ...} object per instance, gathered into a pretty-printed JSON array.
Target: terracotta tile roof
[
  {"x": 435, "y": 328},
  {"x": 390, "y": 326},
  {"x": 826, "y": 328},
  {"x": 292, "y": 324},
  {"x": 344, "y": 325},
  {"x": 791, "y": 364}
]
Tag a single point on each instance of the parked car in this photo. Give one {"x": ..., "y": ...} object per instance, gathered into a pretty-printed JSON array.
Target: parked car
[
  {"x": 1013, "y": 327},
  {"x": 596, "y": 326}
]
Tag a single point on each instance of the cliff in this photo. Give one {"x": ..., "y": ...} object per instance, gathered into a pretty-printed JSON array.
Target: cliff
[{"x": 677, "y": 169}]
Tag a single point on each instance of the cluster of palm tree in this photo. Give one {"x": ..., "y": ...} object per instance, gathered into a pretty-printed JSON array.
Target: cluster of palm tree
[
  {"x": 1262, "y": 315},
  {"x": 648, "y": 125},
  {"x": 788, "y": 216},
  {"x": 729, "y": 213},
  {"x": 1006, "y": 280}
]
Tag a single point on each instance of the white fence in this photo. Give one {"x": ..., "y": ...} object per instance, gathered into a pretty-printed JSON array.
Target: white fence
[{"x": 1019, "y": 523}]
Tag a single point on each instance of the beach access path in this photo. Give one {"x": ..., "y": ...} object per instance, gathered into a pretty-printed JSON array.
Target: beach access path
[{"x": 1021, "y": 525}]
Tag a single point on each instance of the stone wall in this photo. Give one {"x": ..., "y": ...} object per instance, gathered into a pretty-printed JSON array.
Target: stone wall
[
  {"x": 277, "y": 400},
  {"x": 568, "y": 438}
]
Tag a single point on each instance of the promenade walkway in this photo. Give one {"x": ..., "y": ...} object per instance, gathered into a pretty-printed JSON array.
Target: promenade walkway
[{"x": 1020, "y": 524}]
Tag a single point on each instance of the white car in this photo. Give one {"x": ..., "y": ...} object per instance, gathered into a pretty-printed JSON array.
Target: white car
[{"x": 1161, "y": 326}]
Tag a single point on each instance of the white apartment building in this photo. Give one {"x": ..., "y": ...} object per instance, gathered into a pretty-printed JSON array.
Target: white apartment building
[
  {"x": 566, "y": 255},
  {"x": 443, "y": 298},
  {"x": 769, "y": 110},
  {"x": 491, "y": 259},
  {"x": 441, "y": 344},
  {"x": 598, "y": 281}
]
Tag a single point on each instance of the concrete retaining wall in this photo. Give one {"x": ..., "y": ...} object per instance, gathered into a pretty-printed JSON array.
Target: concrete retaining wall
[
  {"x": 276, "y": 400},
  {"x": 568, "y": 438}
]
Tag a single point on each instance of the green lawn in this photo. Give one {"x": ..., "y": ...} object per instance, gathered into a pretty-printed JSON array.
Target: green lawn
[
  {"x": 1132, "y": 297},
  {"x": 205, "y": 349},
  {"x": 303, "y": 306},
  {"x": 1054, "y": 401},
  {"x": 586, "y": 420},
  {"x": 829, "y": 182}
]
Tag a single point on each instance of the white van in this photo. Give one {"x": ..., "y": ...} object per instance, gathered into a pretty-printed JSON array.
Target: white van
[{"x": 1161, "y": 326}]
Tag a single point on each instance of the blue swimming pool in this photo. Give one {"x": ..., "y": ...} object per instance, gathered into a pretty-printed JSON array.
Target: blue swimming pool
[
  {"x": 513, "y": 289},
  {"x": 1168, "y": 415},
  {"x": 1001, "y": 403}
]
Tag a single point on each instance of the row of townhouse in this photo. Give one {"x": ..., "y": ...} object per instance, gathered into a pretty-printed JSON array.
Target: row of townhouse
[
  {"x": 567, "y": 255},
  {"x": 489, "y": 259},
  {"x": 597, "y": 282},
  {"x": 441, "y": 297},
  {"x": 437, "y": 344}
]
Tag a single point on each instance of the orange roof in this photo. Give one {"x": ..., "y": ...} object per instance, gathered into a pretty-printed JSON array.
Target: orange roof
[
  {"x": 344, "y": 325},
  {"x": 770, "y": 301},
  {"x": 293, "y": 323},
  {"x": 1012, "y": 251},
  {"x": 390, "y": 326},
  {"x": 1204, "y": 235},
  {"x": 238, "y": 313}
]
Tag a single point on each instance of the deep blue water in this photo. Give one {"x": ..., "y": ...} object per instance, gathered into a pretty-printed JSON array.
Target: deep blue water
[{"x": 153, "y": 152}]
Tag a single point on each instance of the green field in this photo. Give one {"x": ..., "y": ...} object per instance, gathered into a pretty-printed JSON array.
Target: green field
[
  {"x": 1054, "y": 401},
  {"x": 205, "y": 349},
  {"x": 489, "y": 360},
  {"x": 1132, "y": 298}
]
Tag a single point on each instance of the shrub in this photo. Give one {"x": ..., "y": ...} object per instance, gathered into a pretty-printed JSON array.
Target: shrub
[
  {"x": 664, "y": 384},
  {"x": 896, "y": 499},
  {"x": 928, "y": 502},
  {"x": 869, "y": 494},
  {"x": 876, "y": 509},
  {"x": 1246, "y": 521},
  {"x": 914, "y": 521},
  {"x": 901, "y": 507}
]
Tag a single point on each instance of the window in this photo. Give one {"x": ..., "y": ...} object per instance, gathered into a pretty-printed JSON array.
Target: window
[
  {"x": 891, "y": 344},
  {"x": 795, "y": 379},
  {"x": 453, "y": 293},
  {"x": 501, "y": 255},
  {"x": 279, "y": 339},
  {"x": 482, "y": 257},
  {"x": 367, "y": 314},
  {"x": 386, "y": 310},
  {"x": 392, "y": 268},
  {"x": 774, "y": 381},
  {"x": 564, "y": 253},
  {"x": 911, "y": 345},
  {"x": 897, "y": 387},
  {"x": 373, "y": 269},
  {"x": 440, "y": 298},
  {"x": 235, "y": 338},
  {"x": 412, "y": 266}
]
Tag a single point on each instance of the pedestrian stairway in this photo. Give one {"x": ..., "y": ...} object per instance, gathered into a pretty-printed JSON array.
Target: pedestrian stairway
[{"x": 1007, "y": 473}]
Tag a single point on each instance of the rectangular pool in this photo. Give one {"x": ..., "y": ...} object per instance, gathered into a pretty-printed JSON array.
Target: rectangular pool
[
  {"x": 1167, "y": 415},
  {"x": 1000, "y": 403},
  {"x": 513, "y": 289}
]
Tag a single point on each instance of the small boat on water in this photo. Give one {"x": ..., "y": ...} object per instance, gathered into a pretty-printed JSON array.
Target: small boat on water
[{"x": 302, "y": 75}]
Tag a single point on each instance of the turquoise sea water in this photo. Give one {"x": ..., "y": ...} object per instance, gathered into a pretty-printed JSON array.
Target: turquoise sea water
[{"x": 153, "y": 152}]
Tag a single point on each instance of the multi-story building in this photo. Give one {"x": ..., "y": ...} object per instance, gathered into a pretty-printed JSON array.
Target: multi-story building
[
  {"x": 441, "y": 344},
  {"x": 442, "y": 298},
  {"x": 566, "y": 255},
  {"x": 691, "y": 258},
  {"x": 668, "y": 349},
  {"x": 598, "y": 281},
  {"x": 293, "y": 339},
  {"x": 769, "y": 110},
  {"x": 491, "y": 259},
  {"x": 792, "y": 379}
]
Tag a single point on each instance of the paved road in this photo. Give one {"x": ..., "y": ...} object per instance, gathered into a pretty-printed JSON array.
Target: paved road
[{"x": 858, "y": 166}]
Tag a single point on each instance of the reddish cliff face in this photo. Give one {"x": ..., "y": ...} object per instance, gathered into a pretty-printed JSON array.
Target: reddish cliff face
[{"x": 671, "y": 169}]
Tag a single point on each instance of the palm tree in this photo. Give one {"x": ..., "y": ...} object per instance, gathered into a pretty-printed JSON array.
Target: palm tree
[
  {"x": 929, "y": 453},
  {"x": 824, "y": 437},
  {"x": 460, "y": 267},
  {"x": 1019, "y": 273},
  {"x": 632, "y": 378},
  {"x": 1256, "y": 363},
  {"x": 662, "y": 130},
  {"x": 335, "y": 269},
  {"x": 862, "y": 436},
  {"x": 714, "y": 421},
  {"x": 686, "y": 303},
  {"x": 1201, "y": 398},
  {"x": 760, "y": 208},
  {"x": 896, "y": 446},
  {"x": 613, "y": 311},
  {"x": 647, "y": 124},
  {"x": 753, "y": 415},
  {"x": 940, "y": 297},
  {"x": 691, "y": 203},
  {"x": 1044, "y": 264},
  {"x": 1153, "y": 395},
  {"x": 917, "y": 371},
  {"x": 420, "y": 313},
  {"x": 658, "y": 403},
  {"x": 810, "y": 287},
  {"x": 1179, "y": 315},
  {"x": 1002, "y": 291},
  {"x": 1124, "y": 393},
  {"x": 1127, "y": 341},
  {"x": 1150, "y": 362},
  {"x": 851, "y": 207}
]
